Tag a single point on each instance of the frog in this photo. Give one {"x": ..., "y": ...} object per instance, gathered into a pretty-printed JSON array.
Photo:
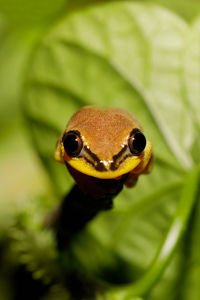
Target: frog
[{"x": 104, "y": 148}]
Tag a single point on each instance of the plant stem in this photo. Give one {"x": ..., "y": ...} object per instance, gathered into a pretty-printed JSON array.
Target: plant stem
[{"x": 164, "y": 254}]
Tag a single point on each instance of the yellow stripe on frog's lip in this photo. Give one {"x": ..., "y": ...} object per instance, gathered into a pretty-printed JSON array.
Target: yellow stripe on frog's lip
[{"x": 129, "y": 164}]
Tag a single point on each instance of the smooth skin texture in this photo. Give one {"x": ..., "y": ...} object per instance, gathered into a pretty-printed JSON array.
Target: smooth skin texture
[{"x": 105, "y": 152}]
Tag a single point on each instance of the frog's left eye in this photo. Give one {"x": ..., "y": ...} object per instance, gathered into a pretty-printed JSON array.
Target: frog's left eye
[
  {"x": 72, "y": 142},
  {"x": 136, "y": 141}
]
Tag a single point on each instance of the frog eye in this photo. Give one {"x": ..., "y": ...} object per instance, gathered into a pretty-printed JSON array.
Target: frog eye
[
  {"x": 136, "y": 141},
  {"x": 72, "y": 142}
]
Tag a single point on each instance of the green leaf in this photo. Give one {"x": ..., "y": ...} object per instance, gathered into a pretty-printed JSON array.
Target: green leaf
[
  {"x": 74, "y": 63},
  {"x": 186, "y": 9},
  {"x": 175, "y": 232},
  {"x": 191, "y": 260},
  {"x": 82, "y": 62},
  {"x": 126, "y": 55},
  {"x": 151, "y": 64},
  {"x": 30, "y": 13},
  {"x": 191, "y": 61}
]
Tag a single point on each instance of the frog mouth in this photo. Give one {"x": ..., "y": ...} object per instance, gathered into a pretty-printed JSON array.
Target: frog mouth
[
  {"x": 121, "y": 163},
  {"x": 103, "y": 165}
]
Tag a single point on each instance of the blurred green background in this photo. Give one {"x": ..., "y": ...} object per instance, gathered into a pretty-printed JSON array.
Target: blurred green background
[{"x": 56, "y": 56}]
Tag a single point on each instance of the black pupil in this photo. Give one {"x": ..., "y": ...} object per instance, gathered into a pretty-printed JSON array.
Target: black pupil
[
  {"x": 139, "y": 142},
  {"x": 71, "y": 144}
]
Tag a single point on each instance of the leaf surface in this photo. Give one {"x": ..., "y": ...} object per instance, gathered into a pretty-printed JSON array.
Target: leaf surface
[{"x": 126, "y": 55}]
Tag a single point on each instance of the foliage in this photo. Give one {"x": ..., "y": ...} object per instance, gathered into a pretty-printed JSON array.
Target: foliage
[{"x": 139, "y": 56}]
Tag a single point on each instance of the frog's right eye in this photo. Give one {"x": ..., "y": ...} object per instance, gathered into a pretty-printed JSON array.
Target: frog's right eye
[
  {"x": 136, "y": 141},
  {"x": 72, "y": 143}
]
